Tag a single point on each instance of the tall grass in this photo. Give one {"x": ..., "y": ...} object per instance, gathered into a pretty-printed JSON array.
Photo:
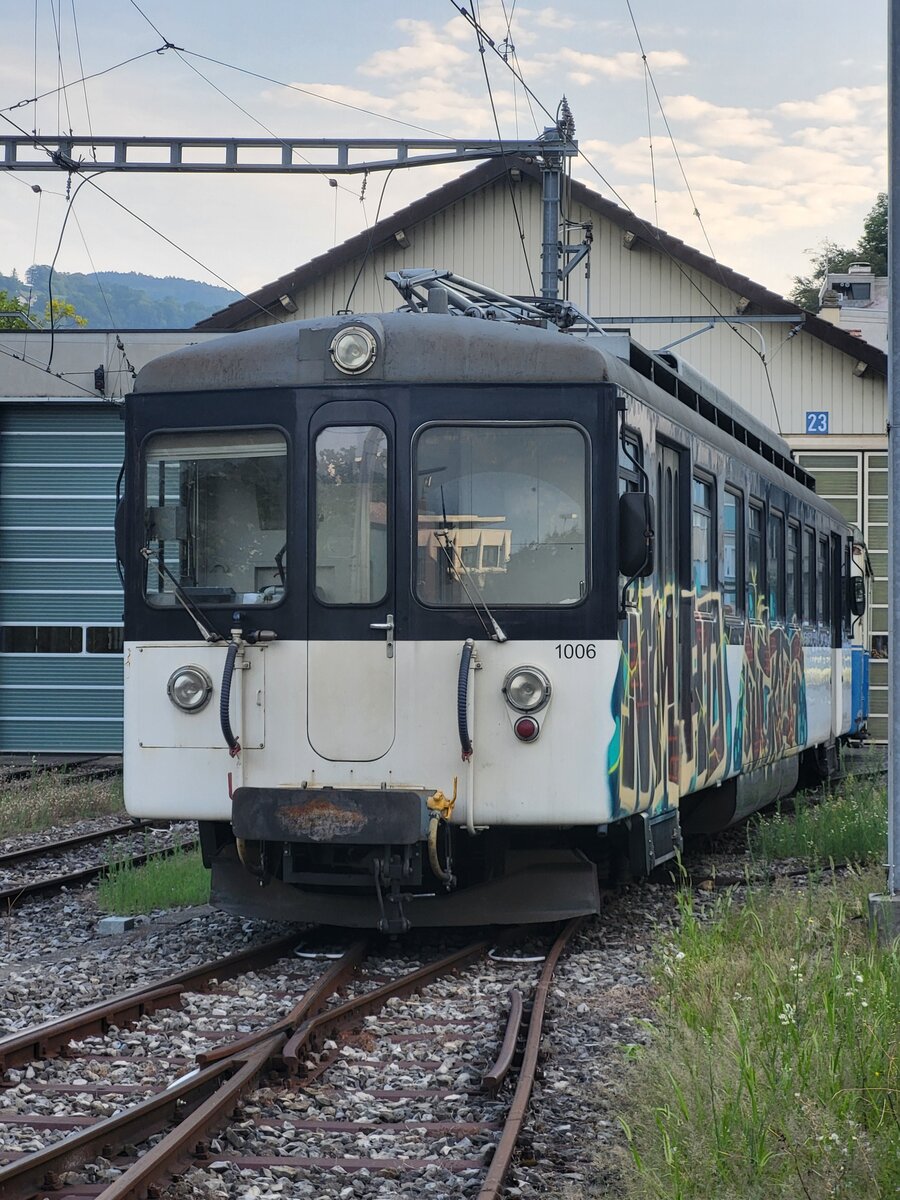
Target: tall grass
[
  {"x": 846, "y": 824},
  {"x": 172, "y": 882},
  {"x": 45, "y": 799},
  {"x": 774, "y": 1072}
]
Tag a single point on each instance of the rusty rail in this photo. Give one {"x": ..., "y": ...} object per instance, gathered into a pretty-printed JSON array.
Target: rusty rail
[
  {"x": 335, "y": 1018},
  {"x": 500, "y": 1163},
  {"x": 75, "y": 879},
  {"x": 72, "y": 843},
  {"x": 200, "y": 1101},
  {"x": 207, "y": 1093},
  {"x": 493, "y": 1077},
  {"x": 48, "y": 1038}
]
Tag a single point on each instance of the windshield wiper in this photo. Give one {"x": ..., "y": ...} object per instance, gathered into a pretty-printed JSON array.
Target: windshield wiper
[
  {"x": 196, "y": 614},
  {"x": 463, "y": 573}
]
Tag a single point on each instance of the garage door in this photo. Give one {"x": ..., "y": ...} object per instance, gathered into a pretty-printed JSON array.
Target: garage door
[{"x": 60, "y": 598}]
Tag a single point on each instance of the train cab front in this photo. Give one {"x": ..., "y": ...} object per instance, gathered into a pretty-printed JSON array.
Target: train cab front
[{"x": 318, "y": 521}]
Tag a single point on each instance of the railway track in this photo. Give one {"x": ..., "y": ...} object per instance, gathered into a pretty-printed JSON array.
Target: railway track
[
  {"x": 66, "y": 770},
  {"x": 35, "y": 870},
  {"x": 318, "y": 1062}
]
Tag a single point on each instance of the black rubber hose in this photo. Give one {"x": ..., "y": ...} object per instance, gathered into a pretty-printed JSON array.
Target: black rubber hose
[
  {"x": 462, "y": 699},
  {"x": 225, "y": 701}
]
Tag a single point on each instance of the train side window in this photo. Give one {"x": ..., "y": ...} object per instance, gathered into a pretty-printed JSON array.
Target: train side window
[
  {"x": 630, "y": 481},
  {"x": 733, "y": 540},
  {"x": 845, "y": 586},
  {"x": 629, "y": 476},
  {"x": 794, "y": 610},
  {"x": 809, "y": 576},
  {"x": 351, "y": 514},
  {"x": 776, "y": 567},
  {"x": 756, "y": 562},
  {"x": 823, "y": 582},
  {"x": 702, "y": 530},
  {"x": 501, "y": 512}
]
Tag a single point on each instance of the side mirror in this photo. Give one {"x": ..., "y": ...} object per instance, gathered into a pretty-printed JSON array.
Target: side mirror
[
  {"x": 857, "y": 595},
  {"x": 636, "y": 533}
]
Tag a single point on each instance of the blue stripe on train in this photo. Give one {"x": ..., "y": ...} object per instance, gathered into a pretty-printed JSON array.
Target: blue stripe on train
[{"x": 859, "y": 688}]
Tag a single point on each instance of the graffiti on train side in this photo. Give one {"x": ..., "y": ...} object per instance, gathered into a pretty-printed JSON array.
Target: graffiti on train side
[{"x": 663, "y": 748}]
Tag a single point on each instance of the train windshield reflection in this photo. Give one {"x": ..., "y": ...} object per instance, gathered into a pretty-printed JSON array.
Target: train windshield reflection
[
  {"x": 215, "y": 516},
  {"x": 503, "y": 508}
]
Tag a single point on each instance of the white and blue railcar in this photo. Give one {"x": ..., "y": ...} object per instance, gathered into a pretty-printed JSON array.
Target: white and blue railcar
[{"x": 428, "y": 616}]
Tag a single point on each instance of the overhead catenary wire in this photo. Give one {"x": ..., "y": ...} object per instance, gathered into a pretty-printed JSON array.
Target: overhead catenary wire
[
  {"x": 509, "y": 183},
  {"x": 231, "y": 100},
  {"x": 75, "y": 82},
  {"x": 371, "y": 225},
  {"x": 60, "y": 73},
  {"x": 92, "y": 181},
  {"x": 29, "y": 362},
  {"x": 651, "y": 233},
  {"x": 280, "y": 83},
  {"x": 649, "y": 75},
  {"x": 87, "y": 107}
]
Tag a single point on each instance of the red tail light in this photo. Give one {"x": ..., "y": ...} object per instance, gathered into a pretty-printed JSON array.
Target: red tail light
[{"x": 526, "y": 729}]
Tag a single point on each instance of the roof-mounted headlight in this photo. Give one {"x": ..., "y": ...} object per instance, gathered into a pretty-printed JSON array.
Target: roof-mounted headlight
[{"x": 353, "y": 349}]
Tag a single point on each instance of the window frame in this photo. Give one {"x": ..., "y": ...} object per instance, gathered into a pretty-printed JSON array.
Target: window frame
[
  {"x": 234, "y": 430},
  {"x": 740, "y": 538},
  {"x": 754, "y": 504},
  {"x": 499, "y": 423},
  {"x": 794, "y": 551},
  {"x": 313, "y": 549},
  {"x": 823, "y": 580},
  {"x": 706, "y": 481},
  {"x": 808, "y": 569},
  {"x": 775, "y": 566}
]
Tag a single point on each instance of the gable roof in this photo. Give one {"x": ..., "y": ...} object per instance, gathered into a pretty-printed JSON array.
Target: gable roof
[{"x": 761, "y": 300}]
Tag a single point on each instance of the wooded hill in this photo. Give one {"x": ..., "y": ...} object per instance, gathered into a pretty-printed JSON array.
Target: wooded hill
[{"x": 121, "y": 299}]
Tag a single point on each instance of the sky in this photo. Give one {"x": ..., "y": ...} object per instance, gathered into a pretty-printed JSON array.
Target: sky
[{"x": 777, "y": 114}]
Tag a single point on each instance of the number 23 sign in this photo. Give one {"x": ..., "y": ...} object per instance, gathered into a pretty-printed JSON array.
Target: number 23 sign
[{"x": 817, "y": 422}]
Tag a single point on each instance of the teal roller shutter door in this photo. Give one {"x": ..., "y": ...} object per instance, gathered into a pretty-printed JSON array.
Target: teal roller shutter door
[{"x": 58, "y": 468}]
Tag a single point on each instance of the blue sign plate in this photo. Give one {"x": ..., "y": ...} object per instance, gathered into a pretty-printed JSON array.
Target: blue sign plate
[{"x": 817, "y": 422}]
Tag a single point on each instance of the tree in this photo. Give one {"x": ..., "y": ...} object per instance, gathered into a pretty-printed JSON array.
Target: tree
[
  {"x": 830, "y": 257},
  {"x": 11, "y": 313},
  {"x": 873, "y": 245},
  {"x": 61, "y": 315}
]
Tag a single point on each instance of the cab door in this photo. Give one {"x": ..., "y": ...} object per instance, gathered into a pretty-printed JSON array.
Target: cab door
[{"x": 350, "y": 653}]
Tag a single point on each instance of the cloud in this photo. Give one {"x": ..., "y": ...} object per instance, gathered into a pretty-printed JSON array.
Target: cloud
[
  {"x": 716, "y": 125},
  {"x": 624, "y": 65},
  {"x": 425, "y": 53},
  {"x": 841, "y": 105},
  {"x": 553, "y": 18}
]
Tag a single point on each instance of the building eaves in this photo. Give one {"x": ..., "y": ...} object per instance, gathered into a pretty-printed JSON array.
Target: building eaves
[{"x": 759, "y": 299}]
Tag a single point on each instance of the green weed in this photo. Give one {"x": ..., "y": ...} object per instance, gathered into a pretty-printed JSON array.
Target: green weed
[
  {"x": 774, "y": 1072},
  {"x": 846, "y": 825},
  {"x": 172, "y": 882}
]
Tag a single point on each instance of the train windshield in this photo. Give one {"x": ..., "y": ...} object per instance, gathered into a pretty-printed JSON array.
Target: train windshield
[
  {"x": 501, "y": 508},
  {"x": 215, "y": 517}
]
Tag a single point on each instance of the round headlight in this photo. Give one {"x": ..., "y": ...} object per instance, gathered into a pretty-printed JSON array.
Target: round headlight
[
  {"x": 189, "y": 688},
  {"x": 353, "y": 349},
  {"x": 527, "y": 689}
]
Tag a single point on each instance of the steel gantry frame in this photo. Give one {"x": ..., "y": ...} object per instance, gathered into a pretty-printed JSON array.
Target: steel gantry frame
[{"x": 307, "y": 156}]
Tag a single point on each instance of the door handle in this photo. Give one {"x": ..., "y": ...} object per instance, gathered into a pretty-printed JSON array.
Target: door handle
[{"x": 388, "y": 626}]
